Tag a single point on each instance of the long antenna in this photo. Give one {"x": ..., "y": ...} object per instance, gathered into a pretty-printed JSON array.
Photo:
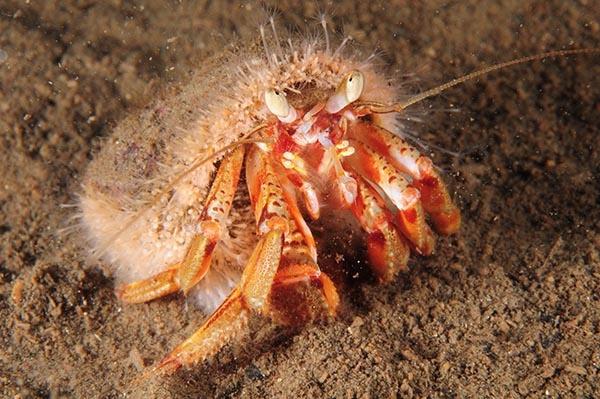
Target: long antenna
[{"x": 399, "y": 107}]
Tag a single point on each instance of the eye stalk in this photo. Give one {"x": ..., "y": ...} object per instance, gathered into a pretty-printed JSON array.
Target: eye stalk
[
  {"x": 347, "y": 92},
  {"x": 278, "y": 105}
]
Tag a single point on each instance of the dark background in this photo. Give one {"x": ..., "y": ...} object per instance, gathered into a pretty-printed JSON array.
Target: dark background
[{"x": 507, "y": 308}]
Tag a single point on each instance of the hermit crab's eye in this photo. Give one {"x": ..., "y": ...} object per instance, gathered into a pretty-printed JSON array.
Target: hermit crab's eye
[
  {"x": 279, "y": 106},
  {"x": 347, "y": 92},
  {"x": 354, "y": 85},
  {"x": 277, "y": 103}
]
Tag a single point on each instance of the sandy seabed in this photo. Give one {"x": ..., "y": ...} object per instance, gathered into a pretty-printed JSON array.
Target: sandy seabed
[{"x": 509, "y": 307}]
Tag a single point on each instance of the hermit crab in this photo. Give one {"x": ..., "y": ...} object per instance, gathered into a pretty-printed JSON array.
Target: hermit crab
[{"x": 309, "y": 128}]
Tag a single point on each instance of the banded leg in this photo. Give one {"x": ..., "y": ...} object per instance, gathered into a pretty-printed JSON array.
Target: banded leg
[
  {"x": 411, "y": 215},
  {"x": 196, "y": 262},
  {"x": 404, "y": 157},
  {"x": 387, "y": 249},
  {"x": 436, "y": 199},
  {"x": 301, "y": 291}
]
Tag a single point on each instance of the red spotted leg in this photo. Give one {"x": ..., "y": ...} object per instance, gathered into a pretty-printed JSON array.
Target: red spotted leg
[
  {"x": 407, "y": 159},
  {"x": 387, "y": 249},
  {"x": 407, "y": 199}
]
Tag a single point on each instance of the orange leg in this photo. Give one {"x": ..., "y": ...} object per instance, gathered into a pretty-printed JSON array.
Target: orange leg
[
  {"x": 184, "y": 275},
  {"x": 407, "y": 159},
  {"x": 302, "y": 293},
  {"x": 436, "y": 200},
  {"x": 157, "y": 286},
  {"x": 387, "y": 249},
  {"x": 283, "y": 244},
  {"x": 299, "y": 259},
  {"x": 229, "y": 318},
  {"x": 407, "y": 199}
]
